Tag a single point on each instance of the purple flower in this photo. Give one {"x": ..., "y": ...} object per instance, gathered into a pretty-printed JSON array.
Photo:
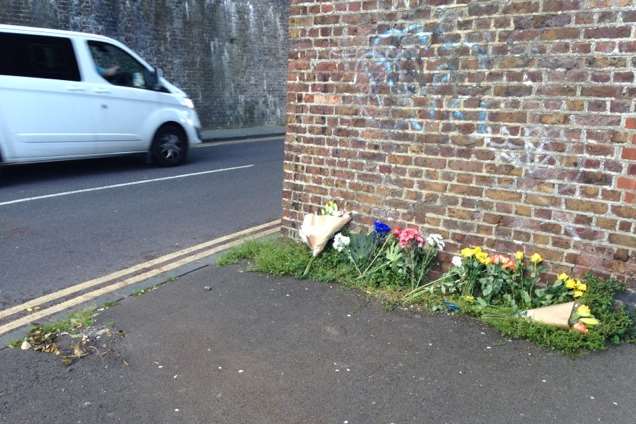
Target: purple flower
[{"x": 381, "y": 228}]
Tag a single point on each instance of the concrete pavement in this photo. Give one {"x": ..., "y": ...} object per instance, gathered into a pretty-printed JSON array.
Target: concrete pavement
[
  {"x": 256, "y": 349},
  {"x": 51, "y": 243},
  {"x": 241, "y": 133}
]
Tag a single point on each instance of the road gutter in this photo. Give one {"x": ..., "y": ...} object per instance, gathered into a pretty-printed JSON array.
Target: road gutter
[{"x": 134, "y": 275}]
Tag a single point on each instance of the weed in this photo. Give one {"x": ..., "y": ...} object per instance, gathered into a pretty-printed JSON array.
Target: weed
[
  {"x": 242, "y": 252},
  {"x": 108, "y": 305},
  {"x": 139, "y": 292},
  {"x": 616, "y": 324},
  {"x": 284, "y": 257},
  {"x": 569, "y": 342},
  {"x": 75, "y": 321}
]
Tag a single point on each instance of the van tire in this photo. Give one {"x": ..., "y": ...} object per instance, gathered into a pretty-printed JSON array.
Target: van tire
[{"x": 169, "y": 146}]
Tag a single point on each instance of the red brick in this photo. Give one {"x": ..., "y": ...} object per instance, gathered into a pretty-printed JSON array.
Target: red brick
[
  {"x": 629, "y": 153},
  {"x": 608, "y": 32}
]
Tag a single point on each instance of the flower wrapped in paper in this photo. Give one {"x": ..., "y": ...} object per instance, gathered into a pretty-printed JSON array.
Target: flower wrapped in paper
[
  {"x": 557, "y": 315},
  {"x": 317, "y": 230},
  {"x": 564, "y": 315}
]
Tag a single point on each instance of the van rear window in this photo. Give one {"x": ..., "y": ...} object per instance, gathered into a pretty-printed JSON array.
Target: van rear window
[{"x": 38, "y": 56}]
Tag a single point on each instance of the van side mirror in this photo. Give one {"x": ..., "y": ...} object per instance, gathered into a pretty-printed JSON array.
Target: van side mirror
[{"x": 153, "y": 79}]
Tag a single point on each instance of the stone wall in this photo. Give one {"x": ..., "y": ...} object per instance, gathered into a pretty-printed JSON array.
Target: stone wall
[
  {"x": 507, "y": 124},
  {"x": 228, "y": 55}
]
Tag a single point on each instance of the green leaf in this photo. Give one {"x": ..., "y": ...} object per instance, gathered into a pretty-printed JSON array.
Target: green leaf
[{"x": 525, "y": 297}]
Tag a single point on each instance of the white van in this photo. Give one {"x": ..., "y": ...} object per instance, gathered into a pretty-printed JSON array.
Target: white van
[{"x": 68, "y": 95}]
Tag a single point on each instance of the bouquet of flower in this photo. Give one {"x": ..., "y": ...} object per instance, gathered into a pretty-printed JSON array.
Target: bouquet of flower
[
  {"x": 570, "y": 315},
  {"x": 316, "y": 230},
  {"x": 404, "y": 253},
  {"x": 582, "y": 319},
  {"x": 489, "y": 279}
]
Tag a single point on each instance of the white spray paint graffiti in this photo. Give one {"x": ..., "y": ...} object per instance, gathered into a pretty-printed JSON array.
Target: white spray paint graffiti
[{"x": 392, "y": 66}]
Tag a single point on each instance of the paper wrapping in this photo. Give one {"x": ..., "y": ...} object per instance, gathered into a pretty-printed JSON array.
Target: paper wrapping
[
  {"x": 317, "y": 230},
  {"x": 556, "y": 315}
]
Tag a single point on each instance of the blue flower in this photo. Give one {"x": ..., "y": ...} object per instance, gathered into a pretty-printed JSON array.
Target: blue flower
[
  {"x": 381, "y": 228},
  {"x": 452, "y": 307}
]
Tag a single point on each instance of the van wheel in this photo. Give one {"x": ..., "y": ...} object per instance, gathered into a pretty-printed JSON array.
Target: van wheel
[{"x": 169, "y": 147}]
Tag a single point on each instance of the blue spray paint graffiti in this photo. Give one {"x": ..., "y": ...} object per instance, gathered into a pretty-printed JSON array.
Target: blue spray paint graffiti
[{"x": 394, "y": 65}]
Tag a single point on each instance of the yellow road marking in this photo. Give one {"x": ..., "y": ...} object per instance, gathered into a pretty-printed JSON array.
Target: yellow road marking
[
  {"x": 122, "y": 273},
  {"x": 125, "y": 283}
]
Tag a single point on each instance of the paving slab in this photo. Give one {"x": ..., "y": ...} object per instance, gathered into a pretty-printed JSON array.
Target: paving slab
[
  {"x": 212, "y": 135},
  {"x": 257, "y": 349}
]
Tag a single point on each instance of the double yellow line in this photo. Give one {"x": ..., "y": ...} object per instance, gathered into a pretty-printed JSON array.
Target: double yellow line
[{"x": 129, "y": 276}]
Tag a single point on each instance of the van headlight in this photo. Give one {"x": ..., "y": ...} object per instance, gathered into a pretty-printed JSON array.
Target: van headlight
[{"x": 187, "y": 102}]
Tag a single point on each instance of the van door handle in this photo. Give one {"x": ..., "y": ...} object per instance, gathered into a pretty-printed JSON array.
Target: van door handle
[
  {"x": 75, "y": 88},
  {"x": 102, "y": 90}
]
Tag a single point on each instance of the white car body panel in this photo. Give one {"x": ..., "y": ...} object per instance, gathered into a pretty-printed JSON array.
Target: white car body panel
[{"x": 49, "y": 119}]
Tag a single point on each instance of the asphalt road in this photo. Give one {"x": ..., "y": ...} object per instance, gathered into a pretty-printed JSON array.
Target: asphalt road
[{"x": 50, "y": 243}]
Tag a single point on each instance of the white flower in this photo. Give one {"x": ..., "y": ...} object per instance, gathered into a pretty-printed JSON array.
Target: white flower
[
  {"x": 340, "y": 242},
  {"x": 436, "y": 241},
  {"x": 457, "y": 261}
]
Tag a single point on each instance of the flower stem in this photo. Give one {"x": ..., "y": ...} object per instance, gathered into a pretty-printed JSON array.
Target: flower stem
[
  {"x": 376, "y": 256},
  {"x": 308, "y": 267},
  {"x": 414, "y": 294},
  {"x": 354, "y": 263}
]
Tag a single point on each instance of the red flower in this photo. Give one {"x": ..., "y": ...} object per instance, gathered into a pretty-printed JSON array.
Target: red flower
[{"x": 396, "y": 232}]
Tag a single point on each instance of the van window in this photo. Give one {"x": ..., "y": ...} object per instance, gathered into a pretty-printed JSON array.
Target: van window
[
  {"x": 118, "y": 67},
  {"x": 38, "y": 56}
]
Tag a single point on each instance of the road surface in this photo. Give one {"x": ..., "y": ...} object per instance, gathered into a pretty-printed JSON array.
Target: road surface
[{"x": 64, "y": 223}]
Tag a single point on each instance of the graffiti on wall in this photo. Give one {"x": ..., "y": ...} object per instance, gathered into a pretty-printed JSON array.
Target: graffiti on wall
[{"x": 392, "y": 71}]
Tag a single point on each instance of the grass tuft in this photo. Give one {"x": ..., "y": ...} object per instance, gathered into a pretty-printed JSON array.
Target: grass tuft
[
  {"x": 75, "y": 321},
  {"x": 284, "y": 257},
  {"x": 242, "y": 252}
]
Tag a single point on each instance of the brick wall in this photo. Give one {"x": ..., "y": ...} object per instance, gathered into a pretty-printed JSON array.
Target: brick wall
[
  {"x": 507, "y": 124},
  {"x": 229, "y": 56}
]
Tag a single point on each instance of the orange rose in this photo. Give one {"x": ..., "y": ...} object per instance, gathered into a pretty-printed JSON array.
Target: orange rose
[
  {"x": 502, "y": 260},
  {"x": 580, "y": 327},
  {"x": 510, "y": 265}
]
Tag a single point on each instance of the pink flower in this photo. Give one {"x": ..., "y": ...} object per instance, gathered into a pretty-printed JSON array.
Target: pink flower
[{"x": 410, "y": 235}]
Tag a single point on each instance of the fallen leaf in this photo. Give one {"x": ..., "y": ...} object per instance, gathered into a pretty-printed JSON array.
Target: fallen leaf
[{"x": 77, "y": 351}]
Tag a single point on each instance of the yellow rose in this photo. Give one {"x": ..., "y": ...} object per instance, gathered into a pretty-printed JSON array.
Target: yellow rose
[
  {"x": 581, "y": 286},
  {"x": 578, "y": 293},
  {"x": 519, "y": 255},
  {"x": 469, "y": 299},
  {"x": 563, "y": 277},
  {"x": 467, "y": 252},
  {"x": 483, "y": 258},
  {"x": 583, "y": 310},
  {"x": 590, "y": 321},
  {"x": 536, "y": 258},
  {"x": 570, "y": 283}
]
